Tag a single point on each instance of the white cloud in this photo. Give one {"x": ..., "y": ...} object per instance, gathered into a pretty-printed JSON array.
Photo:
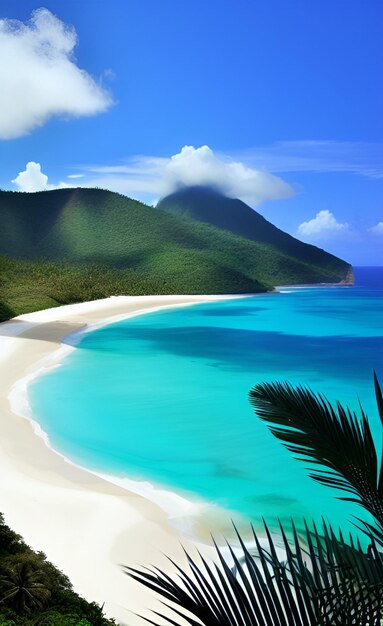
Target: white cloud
[
  {"x": 150, "y": 178},
  {"x": 324, "y": 223},
  {"x": 39, "y": 77},
  {"x": 200, "y": 166},
  {"x": 32, "y": 178},
  {"x": 377, "y": 229},
  {"x": 157, "y": 176}
]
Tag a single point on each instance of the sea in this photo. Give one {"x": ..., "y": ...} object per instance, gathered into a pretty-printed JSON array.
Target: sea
[{"x": 163, "y": 397}]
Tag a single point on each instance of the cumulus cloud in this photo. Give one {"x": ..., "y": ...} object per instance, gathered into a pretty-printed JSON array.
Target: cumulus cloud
[
  {"x": 158, "y": 176},
  {"x": 377, "y": 229},
  {"x": 200, "y": 166},
  {"x": 150, "y": 178},
  {"x": 32, "y": 178},
  {"x": 324, "y": 223},
  {"x": 39, "y": 76}
]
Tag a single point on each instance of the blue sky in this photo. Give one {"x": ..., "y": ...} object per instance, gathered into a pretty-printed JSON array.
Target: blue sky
[{"x": 279, "y": 101}]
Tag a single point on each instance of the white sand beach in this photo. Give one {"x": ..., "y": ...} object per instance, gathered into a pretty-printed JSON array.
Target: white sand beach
[{"x": 86, "y": 525}]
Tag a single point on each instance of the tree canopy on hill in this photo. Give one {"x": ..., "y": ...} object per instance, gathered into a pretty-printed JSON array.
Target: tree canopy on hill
[
  {"x": 208, "y": 205},
  {"x": 73, "y": 245},
  {"x": 33, "y": 591}
]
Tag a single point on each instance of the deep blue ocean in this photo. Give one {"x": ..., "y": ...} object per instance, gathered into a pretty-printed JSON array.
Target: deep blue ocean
[{"x": 164, "y": 396}]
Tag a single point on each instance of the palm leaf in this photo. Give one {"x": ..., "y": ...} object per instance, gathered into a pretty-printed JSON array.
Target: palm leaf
[
  {"x": 379, "y": 397},
  {"x": 333, "y": 439},
  {"x": 23, "y": 586},
  {"x": 323, "y": 581}
]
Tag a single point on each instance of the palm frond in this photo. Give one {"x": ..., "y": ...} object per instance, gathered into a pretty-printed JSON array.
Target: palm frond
[
  {"x": 379, "y": 397},
  {"x": 334, "y": 439},
  {"x": 321, "y": 581}
]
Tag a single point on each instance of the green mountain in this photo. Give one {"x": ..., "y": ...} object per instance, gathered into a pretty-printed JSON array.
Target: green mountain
[
  {"x": 71, "y": 245},
  {"x": 209, "y": 206}
]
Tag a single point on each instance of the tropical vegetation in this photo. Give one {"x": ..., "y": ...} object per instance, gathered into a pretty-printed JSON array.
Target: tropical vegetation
[
  {"x": 335, "y": 440},
  {"x": 208, "y": 205},
  {"x": 33, "y": 592},
  {"x": 313, "y": 578},
  {"x": 75, "y": 245}
]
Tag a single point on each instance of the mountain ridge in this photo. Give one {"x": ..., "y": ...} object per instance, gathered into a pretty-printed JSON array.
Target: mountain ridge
[
  {"x": 209, "y": 205},
  {"x": 77, "y": 244}
]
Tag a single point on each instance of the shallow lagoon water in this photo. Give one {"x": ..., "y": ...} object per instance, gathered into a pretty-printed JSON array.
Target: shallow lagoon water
[{"x": 164, "y": 396}]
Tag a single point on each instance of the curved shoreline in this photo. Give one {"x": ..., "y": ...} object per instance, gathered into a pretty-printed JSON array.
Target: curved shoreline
[
  {"x": 174, "y": 504},
  {"x": 42, "y": 492}
]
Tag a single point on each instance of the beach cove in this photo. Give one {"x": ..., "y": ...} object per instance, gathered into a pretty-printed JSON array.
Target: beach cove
[
  {"x": 86, "y": 525},
  {"x": 163, "y": 398},
  {"x": 91, "y": 521}
]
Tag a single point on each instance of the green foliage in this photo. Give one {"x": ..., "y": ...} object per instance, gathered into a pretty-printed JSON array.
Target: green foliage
[
  {"x": 33, "y": 592},
  {"x": 46, "y": 618},
  {"x": 74, "y": 245},
  {"x": 319, "y": 580},
  {"x": 23, "y": 586},
  {"x": 54, "y": 618},
  {"x": 208, "y": 205},
  {"x": 68, "y": 602},
  {"x": 10, "y": 542},
  {"x": 335, "y": 440},
  {"x": 27, "y": 286}
]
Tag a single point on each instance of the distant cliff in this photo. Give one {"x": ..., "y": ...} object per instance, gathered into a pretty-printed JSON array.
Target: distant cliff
[{"x": 349, "y": 279}]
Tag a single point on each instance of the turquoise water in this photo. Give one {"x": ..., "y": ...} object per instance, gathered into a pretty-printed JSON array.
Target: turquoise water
[{"x": 163, "y": 396}]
